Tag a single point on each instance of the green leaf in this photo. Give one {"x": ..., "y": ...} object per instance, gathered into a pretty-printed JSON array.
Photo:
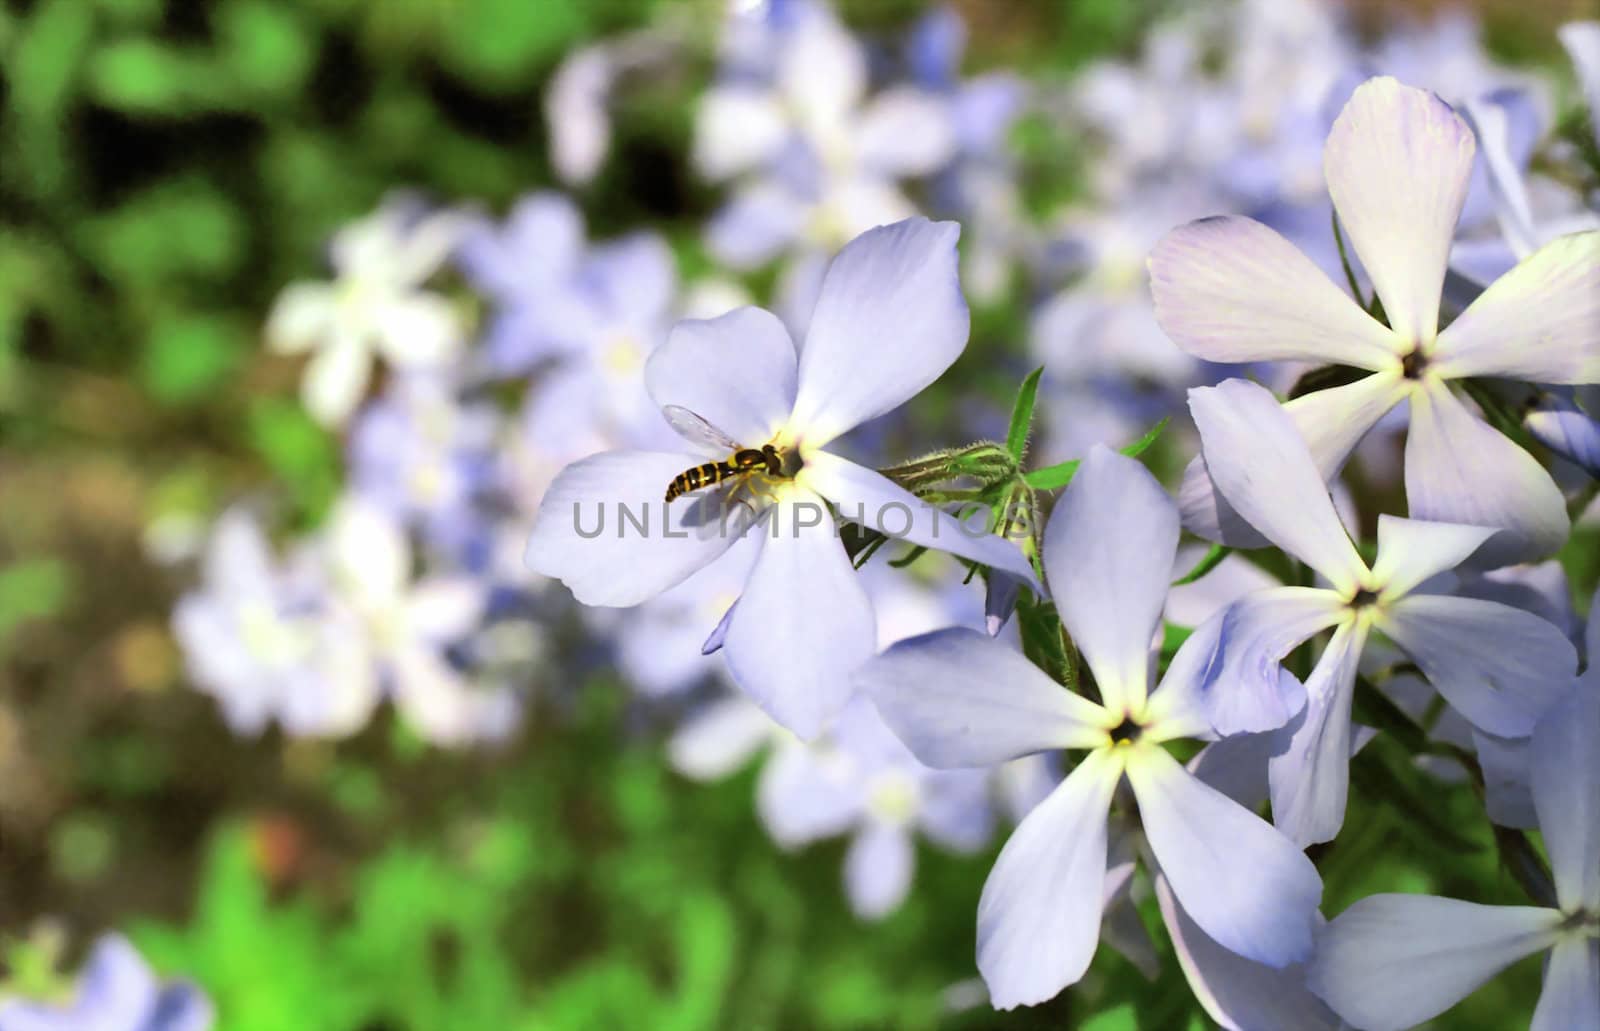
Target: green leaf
[
  {"x": 31, "y": 589},
  {"x": 1054, "y": 476},
  {"x": 1022, "y": 414},
  {"x": 186, "y": 358},
  {"x": 1209, "y": 561}
]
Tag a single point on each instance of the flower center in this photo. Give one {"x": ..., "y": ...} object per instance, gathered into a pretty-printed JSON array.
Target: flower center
[
  {"x": 1414, "y": 364},
  {"x": 1126, "y": 732}
]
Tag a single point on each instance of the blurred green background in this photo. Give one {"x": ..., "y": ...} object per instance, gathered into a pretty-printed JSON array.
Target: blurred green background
[{"x": 165, "y": 167}]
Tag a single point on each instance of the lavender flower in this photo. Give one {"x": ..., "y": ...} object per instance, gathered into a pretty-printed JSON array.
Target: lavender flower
[
  {"x": 1398, "y": 162},
  {"x": 889, "y": 320},
  {"x": 960, "y": 699},
  {"x": 118, "y": 992}
]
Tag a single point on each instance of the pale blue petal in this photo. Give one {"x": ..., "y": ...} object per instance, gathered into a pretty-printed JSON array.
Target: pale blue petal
[
  {"x": 1571, "y": 996},
  {"x": 1238, "y": 993},
  {"x": 609, "y": 496},
  {"x": 1500, "y": 667},
  {"x": 1310, "y": 776},
  {"x": 878, "y": 869},
  {"x": 1390, "y": 962},
  {"x": 1564, "y": 767},
  {"x": 736, "y": 371},
  {"x": 1229, "y": 289},
  {"x": 889, "y": 321},
  {"x": 1568, "y": 430},
  {"x": 1108, "y": 551},
  {"x": 1508, "y": 795},
  {"x": 1247, "y": 885},
  {"x": 1460, "y": 470},
  {"x": 1332, "y": 422},
  {"x": 1178, "y": 707},
  {"x": 1413, "y": 550},
  {"x": 872, "y": 499},
  {"x": 1243, "y": 687},
  {"x": 804, "y": 623},
  {"x": 802, "y": 797},
  {"x": 959, "y": 698},
  {"x": 1398, "y": 161},
  {"x": 1535, "y": 323},
  {"x": 761, "y": 221},
  {"x": 1261, "y": 464},
  {"x": 116, "y": 980},
  {"x": 1039, "y": 917}
]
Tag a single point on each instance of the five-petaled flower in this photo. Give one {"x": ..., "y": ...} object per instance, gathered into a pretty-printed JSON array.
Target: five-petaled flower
[
  {"x": 1398, "y": 162},
  {"x": 959, "y": 698},
  {"x": 889, "y": 321},
  {"x": 1392, "y": 961},
  {"x": 1498, "y": 665}
]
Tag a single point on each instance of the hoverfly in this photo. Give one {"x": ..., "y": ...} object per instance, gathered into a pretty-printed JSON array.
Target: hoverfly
[{"x": 748, "y": 463}]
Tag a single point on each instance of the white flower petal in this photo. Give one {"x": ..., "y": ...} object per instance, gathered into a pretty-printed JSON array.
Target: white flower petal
[
  {"x": 368, "y": 552},
  {"x": 1398, "y": 161},
  {"x": 718, "y": 740},
  {"x": 804, "y": 795},
  {"x": 1392, "y": 961},
  {"x": 867, "y": 497},
  {"x": 1539, "y": 322},
  {"x": 737, "y": 128},
  {"x": 1108, "y": 550},
  {"x": 335, "y": 378},
  {"x": 822, "y": 72},
  {"x": 804, "y": 623},
  {"x": 889, "y": 321},
  {"x": 1564, "y": 767},
  {"x": 1571, "y": 996},
  {"x": 303, "y": 314},
  {"x": 1238, "y": 993},
  {"x": 959, "y": 698},
  {"x": 1331, "y": 421},
  {"x": 904, "y": 131},
  {"x": 1244, "y": 687},
  {"x": 1243, "y": 882},
  {"x": 1262, "y": 466},
  {"x": 1499, "y": 666},
  {"x": 1460, "y": 470},
  {"x": 1229, "y": 289},
  {"x": 878, "y": 869},
  {"x": 418, "y": 331},
  {"x": 445, "y": 609},
  {"x": 736, "y": 371},
  {"x": 588, "y": 535},
  {"x": 1413, "y": 550},
  {"x": 1039, "y": 917},
  {"x": 1310, "y": 775},
  {"x": 761, "y": 220}
]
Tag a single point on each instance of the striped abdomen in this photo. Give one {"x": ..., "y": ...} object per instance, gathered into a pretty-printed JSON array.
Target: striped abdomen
[{"x": 710, "y": 473}]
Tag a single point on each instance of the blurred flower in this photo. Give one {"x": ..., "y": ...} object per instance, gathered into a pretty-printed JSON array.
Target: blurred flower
[
  {"x": 959, "y": 699},
  {"x": 1229, "y": 289},
  {"x": 117, "y": 992},
  {"x": 273, "y": 643},
  {"x": 375, "y": 304},
  {"x": 1392, "y": 961},
  {"x": 821, "y": 160},
  {"x": 575, "y": 110},
  {"x": 889, "y": 320},
  {"x": 410, "y": 624},
  {"x": 426, "y": 458},
  {"x": 584, "y": 317},
  {"x": 1497, "y": 665}
]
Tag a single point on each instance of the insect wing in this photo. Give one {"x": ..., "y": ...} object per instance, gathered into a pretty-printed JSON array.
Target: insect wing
[{"x": 693, "y": 428}]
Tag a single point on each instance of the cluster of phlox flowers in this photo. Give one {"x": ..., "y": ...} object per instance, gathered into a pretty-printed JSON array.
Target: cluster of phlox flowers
[{"x": 515, "y": 400}]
